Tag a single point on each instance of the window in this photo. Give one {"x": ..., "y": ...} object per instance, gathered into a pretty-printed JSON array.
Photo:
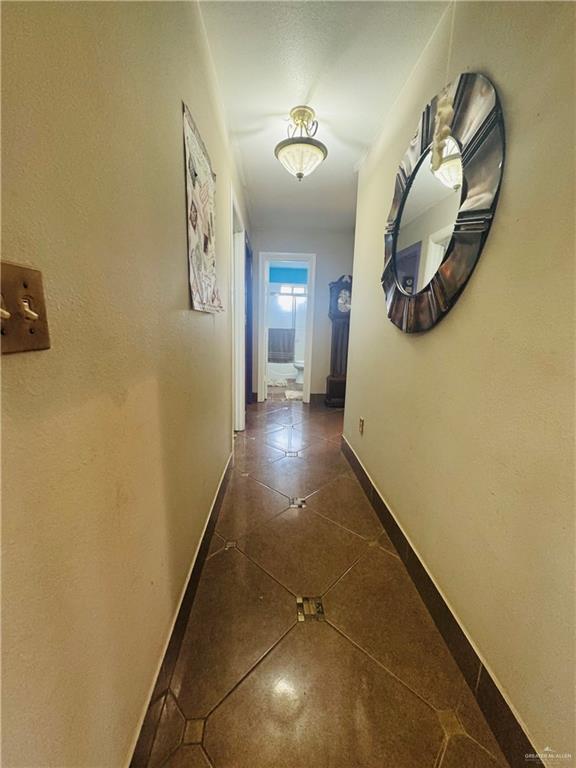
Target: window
[{"x": 292, "y": 290}]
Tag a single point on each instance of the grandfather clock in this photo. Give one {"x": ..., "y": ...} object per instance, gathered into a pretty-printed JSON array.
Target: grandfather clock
[{"x": 340, "y": 304}]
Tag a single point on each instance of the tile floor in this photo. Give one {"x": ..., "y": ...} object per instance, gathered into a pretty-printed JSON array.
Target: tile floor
[{"x": 369, "y": 685}]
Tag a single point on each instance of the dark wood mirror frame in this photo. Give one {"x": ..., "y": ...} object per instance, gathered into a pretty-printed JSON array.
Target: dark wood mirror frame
[{"x": 478, "y": 127}]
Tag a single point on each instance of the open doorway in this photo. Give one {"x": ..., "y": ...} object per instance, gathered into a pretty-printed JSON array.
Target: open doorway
[
  {"x": 239, "y": 250},
  {"x": 249, "y": 325},
  {"x": 286, "y": 295}
]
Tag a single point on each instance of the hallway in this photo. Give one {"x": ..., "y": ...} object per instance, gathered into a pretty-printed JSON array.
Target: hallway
[
  {"x": 189, "y": 581},
  {"x": 359, "y": 676}
]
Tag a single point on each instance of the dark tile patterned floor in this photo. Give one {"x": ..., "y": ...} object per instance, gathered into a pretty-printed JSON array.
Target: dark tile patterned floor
[{"x": 370, "y": 684}]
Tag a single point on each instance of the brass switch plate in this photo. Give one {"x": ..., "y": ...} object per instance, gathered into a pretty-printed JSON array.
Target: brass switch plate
[{"x": 24, "y": 322}]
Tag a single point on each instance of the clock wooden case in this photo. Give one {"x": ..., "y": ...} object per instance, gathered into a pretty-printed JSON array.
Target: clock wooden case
[{"x": 339, "y": 313}]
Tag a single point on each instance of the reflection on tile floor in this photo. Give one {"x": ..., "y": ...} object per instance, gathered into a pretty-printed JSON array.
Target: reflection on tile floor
[{"x": 370, "y": 685}]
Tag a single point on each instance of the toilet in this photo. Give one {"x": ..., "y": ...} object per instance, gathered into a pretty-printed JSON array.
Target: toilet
[{"x": 299, "y": 365}]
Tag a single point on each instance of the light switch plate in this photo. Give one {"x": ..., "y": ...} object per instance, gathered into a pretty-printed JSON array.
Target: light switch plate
[{"x": 22, "y": 300}]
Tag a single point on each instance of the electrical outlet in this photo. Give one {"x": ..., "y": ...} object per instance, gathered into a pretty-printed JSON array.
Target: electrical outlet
[{"x": 361, "y": 425}]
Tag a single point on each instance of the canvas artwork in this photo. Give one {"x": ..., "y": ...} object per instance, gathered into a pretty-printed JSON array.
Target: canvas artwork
[{"x": 200, "y": 203}]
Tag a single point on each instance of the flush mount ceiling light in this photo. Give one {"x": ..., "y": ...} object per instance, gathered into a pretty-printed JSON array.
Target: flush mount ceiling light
[{"x": 300, "y": 153}]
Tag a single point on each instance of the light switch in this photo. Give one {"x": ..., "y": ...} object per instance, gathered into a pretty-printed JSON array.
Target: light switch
[{"x": 23, "y": 310}]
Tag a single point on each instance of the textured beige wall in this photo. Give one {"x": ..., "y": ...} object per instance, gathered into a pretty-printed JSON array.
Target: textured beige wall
[
  {"x": 469, "y": 430},
  {"x": 333, "y": 251},
  {"x": 114, "y": 441}
]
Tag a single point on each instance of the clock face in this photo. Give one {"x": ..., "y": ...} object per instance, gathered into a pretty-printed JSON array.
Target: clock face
[{"x": 344, "y": 301}]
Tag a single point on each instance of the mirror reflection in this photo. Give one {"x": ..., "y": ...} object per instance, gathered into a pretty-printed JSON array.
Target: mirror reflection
[{"x": 428, "y": 219}]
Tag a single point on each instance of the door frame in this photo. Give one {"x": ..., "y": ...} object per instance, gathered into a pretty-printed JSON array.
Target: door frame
[
  {"x": 249, "y": 335},
  {"x": 238, "y": 303},
  {"x": 265, "y": 258}
]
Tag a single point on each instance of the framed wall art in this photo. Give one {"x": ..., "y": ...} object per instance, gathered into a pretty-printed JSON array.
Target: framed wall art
[{"x": 200, "y": 216}]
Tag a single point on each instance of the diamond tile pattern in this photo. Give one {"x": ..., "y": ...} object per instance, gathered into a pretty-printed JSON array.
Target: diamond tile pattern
[
  {"x": 390, "y": 621},
  {"x": 188, "y": 757},
  {"x": 474, "y": 724},
  {"x": 303, "y": 551},
  {"x": 216, "y": 544},
  {"x": 384, "y": 541},
  {"x": 288, "y": 416},
  {"x": 194, "y": 732},
  {"x": 318, "y": 700},
  {"x": 246, "y": 504},
  {"x": 238, "y": 614},
  {"x": 321, "y": 426},
  {"x": 343, "y": 501},
  {"x": 462, "y": 752},
  {"x": 250, "y": 453},
  {"x": 297, "y": 476},
  {"x": 288, "y": 439},
  {"x": 371, "y": 685},
  {"x": 168, "y": 734},
  {"x": 147, "y": 733}
]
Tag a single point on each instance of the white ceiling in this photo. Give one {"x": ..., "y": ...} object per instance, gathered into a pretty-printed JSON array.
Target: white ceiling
[
  {"x": 426, "y": 191},
  {"x": 347, "y": 60}
]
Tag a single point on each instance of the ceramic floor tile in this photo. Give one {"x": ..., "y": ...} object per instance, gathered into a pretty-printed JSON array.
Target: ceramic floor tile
[
  {"x": 289, "y": 417},
  {"x": 450, "y": 723},
  {"x": 246, "y": 504},
  {"x": 266, "y": 405},
  {"x": 266, "y": 408},
  {"x": 475, "y": 725},
  {"x": 238, "y": 614},
  {"x": 377, "y": 605},
  {"x": 216, "y": 544},
  {"x": 296, "y": 476},
  {"x": 326, "y": 452},
  {"x": 316, "y": 700},
  {"x": 344, "y": 502},
  {"x": 188, "y": 757},
  {"x": 194, "y": 732},
  {"x": 250, "y": 453},
  {"x": 258, "y": 424},
  {"x": 288, "y": 439},
  {"x": 328, "y": 426},
  {"x": 262, "y": 430},
  {"x": 385, "y": 542},
  {"x": 304, "y": 551},
  {"x": 282, "y": 694},
  {"x": 168, "y": 734},
  {"x": 462, "y": 752},
  {"x": 254, "y": 420},
  {"x": 251, "y": 419},
  {"x": 147, "y": 733}
]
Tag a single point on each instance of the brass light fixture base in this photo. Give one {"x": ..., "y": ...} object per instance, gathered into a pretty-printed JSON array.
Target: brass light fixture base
[
  {"x": 301, "y": 153},
  {"x": 302, "y": 116}
]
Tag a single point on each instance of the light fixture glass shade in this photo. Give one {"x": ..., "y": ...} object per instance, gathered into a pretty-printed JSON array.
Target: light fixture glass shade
[
  {"x": 450, "y": 170},
  {"x": 300, "y": 155}
]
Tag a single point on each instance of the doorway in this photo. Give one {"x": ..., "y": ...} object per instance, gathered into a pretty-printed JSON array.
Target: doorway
[
  {"x": 286, "y": 299},
  {"x": 239, "y": 315},
  {"x": 249, "y": 324}
]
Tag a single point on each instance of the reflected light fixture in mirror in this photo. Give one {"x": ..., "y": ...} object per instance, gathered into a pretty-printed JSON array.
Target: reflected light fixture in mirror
[
  {"x": 450, "y": 170},
  {"x": 427, "y": 219},
  {"x": 301, "y": 154}
]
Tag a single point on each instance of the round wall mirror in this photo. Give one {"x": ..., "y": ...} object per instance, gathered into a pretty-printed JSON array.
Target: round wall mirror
[
  {"x": 427, "y": 220},
  {"x": 444, "y": 202}
]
